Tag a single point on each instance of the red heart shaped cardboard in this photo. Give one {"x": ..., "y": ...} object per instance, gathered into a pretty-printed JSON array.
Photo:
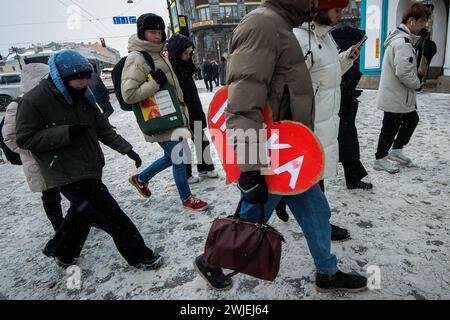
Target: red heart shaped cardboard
[{"x": 296, "y": 156}]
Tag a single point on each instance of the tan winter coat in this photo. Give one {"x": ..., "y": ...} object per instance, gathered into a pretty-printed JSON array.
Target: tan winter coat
[
  {"x": 136, "y": 88},
  {"x": 266, "y": 66},
  {"x": 30, "y": 77}
]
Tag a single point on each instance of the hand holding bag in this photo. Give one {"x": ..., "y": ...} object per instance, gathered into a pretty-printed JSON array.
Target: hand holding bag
[{"x": 246, "y": 247}]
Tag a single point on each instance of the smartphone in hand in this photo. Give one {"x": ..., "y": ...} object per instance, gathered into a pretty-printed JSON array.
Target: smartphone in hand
[{"x": 360, "y": 44}]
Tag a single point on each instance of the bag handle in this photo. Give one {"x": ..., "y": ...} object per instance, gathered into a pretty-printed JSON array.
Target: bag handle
[
  {"x": 149, "y": 60},
  {"x": 262, "y": 215}
]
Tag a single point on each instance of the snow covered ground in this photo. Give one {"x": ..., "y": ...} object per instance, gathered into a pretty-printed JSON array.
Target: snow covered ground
[{"x": 402, "y": 226}]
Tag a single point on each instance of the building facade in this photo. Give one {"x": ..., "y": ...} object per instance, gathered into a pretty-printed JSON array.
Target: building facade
[
  {"x": 352, "y": 14},
  {"x": 211, "y": 22}
]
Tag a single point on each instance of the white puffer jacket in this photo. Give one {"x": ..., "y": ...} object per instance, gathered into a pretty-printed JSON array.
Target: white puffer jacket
[
  {"x": 30, "y": 77},
  {"x": 399, "y": 80},
  {"x": 326, "y": 66}
]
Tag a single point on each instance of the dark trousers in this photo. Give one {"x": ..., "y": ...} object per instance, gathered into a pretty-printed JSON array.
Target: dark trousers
[
  {"x": 91, "y": 203},
  {"x": 354, "y": 171},
  {"x": 216, "y": 80},
  {"x": 322, "y": 185},
  {"x": 51, "y": 200},
  {"x": 203, "y": 155},
  {"x": 397, "y": 130},
  {"x": 209, "y": 85}
]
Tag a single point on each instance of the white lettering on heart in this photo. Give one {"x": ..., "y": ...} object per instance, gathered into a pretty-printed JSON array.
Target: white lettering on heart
[
  {"x": 219, "y": 114},
  {"x": 293, "y": 168}
]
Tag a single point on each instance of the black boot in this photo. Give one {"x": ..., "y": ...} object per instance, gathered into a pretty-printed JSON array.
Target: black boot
[
  {"x": 150, "y": 264},
  {"x": 359, "y": 185},
  {"x": 214, "y": 277},
  {"x": 340, "y": 282},
  {"x": 281, "y": 211},
  {"x": 339, "y": 234},
  {"x": 62, "y": 262}
]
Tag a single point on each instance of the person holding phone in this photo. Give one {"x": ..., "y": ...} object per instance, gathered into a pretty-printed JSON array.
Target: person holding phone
[
  {"x": 349, "y": 152},
  {"x": 326, "y": 67}
]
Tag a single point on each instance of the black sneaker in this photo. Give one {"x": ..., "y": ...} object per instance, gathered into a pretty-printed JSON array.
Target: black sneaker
[
  {"x": 340, "y": 282},
  {"x": 360, "y": 185},
  {"x": 281, "y": 211},
  {"x": 214, "y": 277},
  {"x": 339, "y": 234},
  {"x": 62, "y": 262},
  {"x": 150, "y": 264}
]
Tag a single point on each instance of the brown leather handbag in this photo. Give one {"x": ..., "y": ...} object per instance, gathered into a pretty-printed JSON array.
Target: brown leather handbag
[{"x": 243, "y": 246}]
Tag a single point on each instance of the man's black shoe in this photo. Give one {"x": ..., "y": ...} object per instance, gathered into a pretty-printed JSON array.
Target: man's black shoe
[
  {"x": 340, "y": 282},
  {"x": 339, "y": 234},
  {"x": 62, "y": 262},
  {"x": 360, "y": 185},
  {"x": 150, "y": 264},
  {"x": 214, "y": 277},
  {"x": 281, "y": 211}
]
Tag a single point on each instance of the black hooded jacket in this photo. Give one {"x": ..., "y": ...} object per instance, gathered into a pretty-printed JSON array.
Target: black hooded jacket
[{"x": 184, "y": 70}]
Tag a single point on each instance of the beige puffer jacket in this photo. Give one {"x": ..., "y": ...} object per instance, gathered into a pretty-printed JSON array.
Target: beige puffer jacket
[
  {"x": 30, "y": 77},
  {"x": 136, "y": 88}
]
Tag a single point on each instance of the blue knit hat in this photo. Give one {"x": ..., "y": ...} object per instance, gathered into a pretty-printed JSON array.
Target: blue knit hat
[{"x": 66, "y": 64}]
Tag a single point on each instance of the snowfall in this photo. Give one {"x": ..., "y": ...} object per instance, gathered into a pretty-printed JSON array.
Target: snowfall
[{"x": 400, "y": 230}]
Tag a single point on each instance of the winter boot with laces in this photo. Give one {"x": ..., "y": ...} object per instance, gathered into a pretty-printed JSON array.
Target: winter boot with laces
[
  {"x": 359, "y": 185},
  {"x": 214, "y": 277},
  {"x": 339, "y": 234},
  {"x": 61, "y": 262},
  {"x": 340, "y": 282},
  {"x": 192, "y": 203},
  {"x": 151, "y": 264}
]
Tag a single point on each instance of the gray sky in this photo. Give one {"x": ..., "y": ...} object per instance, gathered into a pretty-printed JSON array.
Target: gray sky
[{"x": 23, "y": 22}]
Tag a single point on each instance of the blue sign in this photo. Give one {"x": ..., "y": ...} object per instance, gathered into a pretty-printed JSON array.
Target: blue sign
[
  {"x": 374, "y": 17},
  {"x": 125, "y": 20}
]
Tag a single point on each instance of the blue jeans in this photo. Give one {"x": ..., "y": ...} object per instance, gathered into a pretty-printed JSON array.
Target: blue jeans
[
  {"x": 179, "y": 169},
  {"x": 312, "y": 212}
]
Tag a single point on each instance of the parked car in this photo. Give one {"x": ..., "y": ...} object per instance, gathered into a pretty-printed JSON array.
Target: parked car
[
  {"x": 9, "y": 88},
  {"x": 106, "y": 78}
]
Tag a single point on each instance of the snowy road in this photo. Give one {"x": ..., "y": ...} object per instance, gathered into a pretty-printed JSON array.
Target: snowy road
[{"x": 402, "y": 226}]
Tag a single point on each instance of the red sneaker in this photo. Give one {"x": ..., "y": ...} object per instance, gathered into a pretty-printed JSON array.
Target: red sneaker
[
  {"x": 140, "y": 186},
  {"x": 192, "y": 203}
]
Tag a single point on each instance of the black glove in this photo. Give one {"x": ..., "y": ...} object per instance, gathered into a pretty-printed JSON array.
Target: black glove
[
  {"x": 134, "y": 156},
  {"x": 253, "y": 187},
  {"x": 77, "y": 130},
  {"x": 159, "y": 76}
]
